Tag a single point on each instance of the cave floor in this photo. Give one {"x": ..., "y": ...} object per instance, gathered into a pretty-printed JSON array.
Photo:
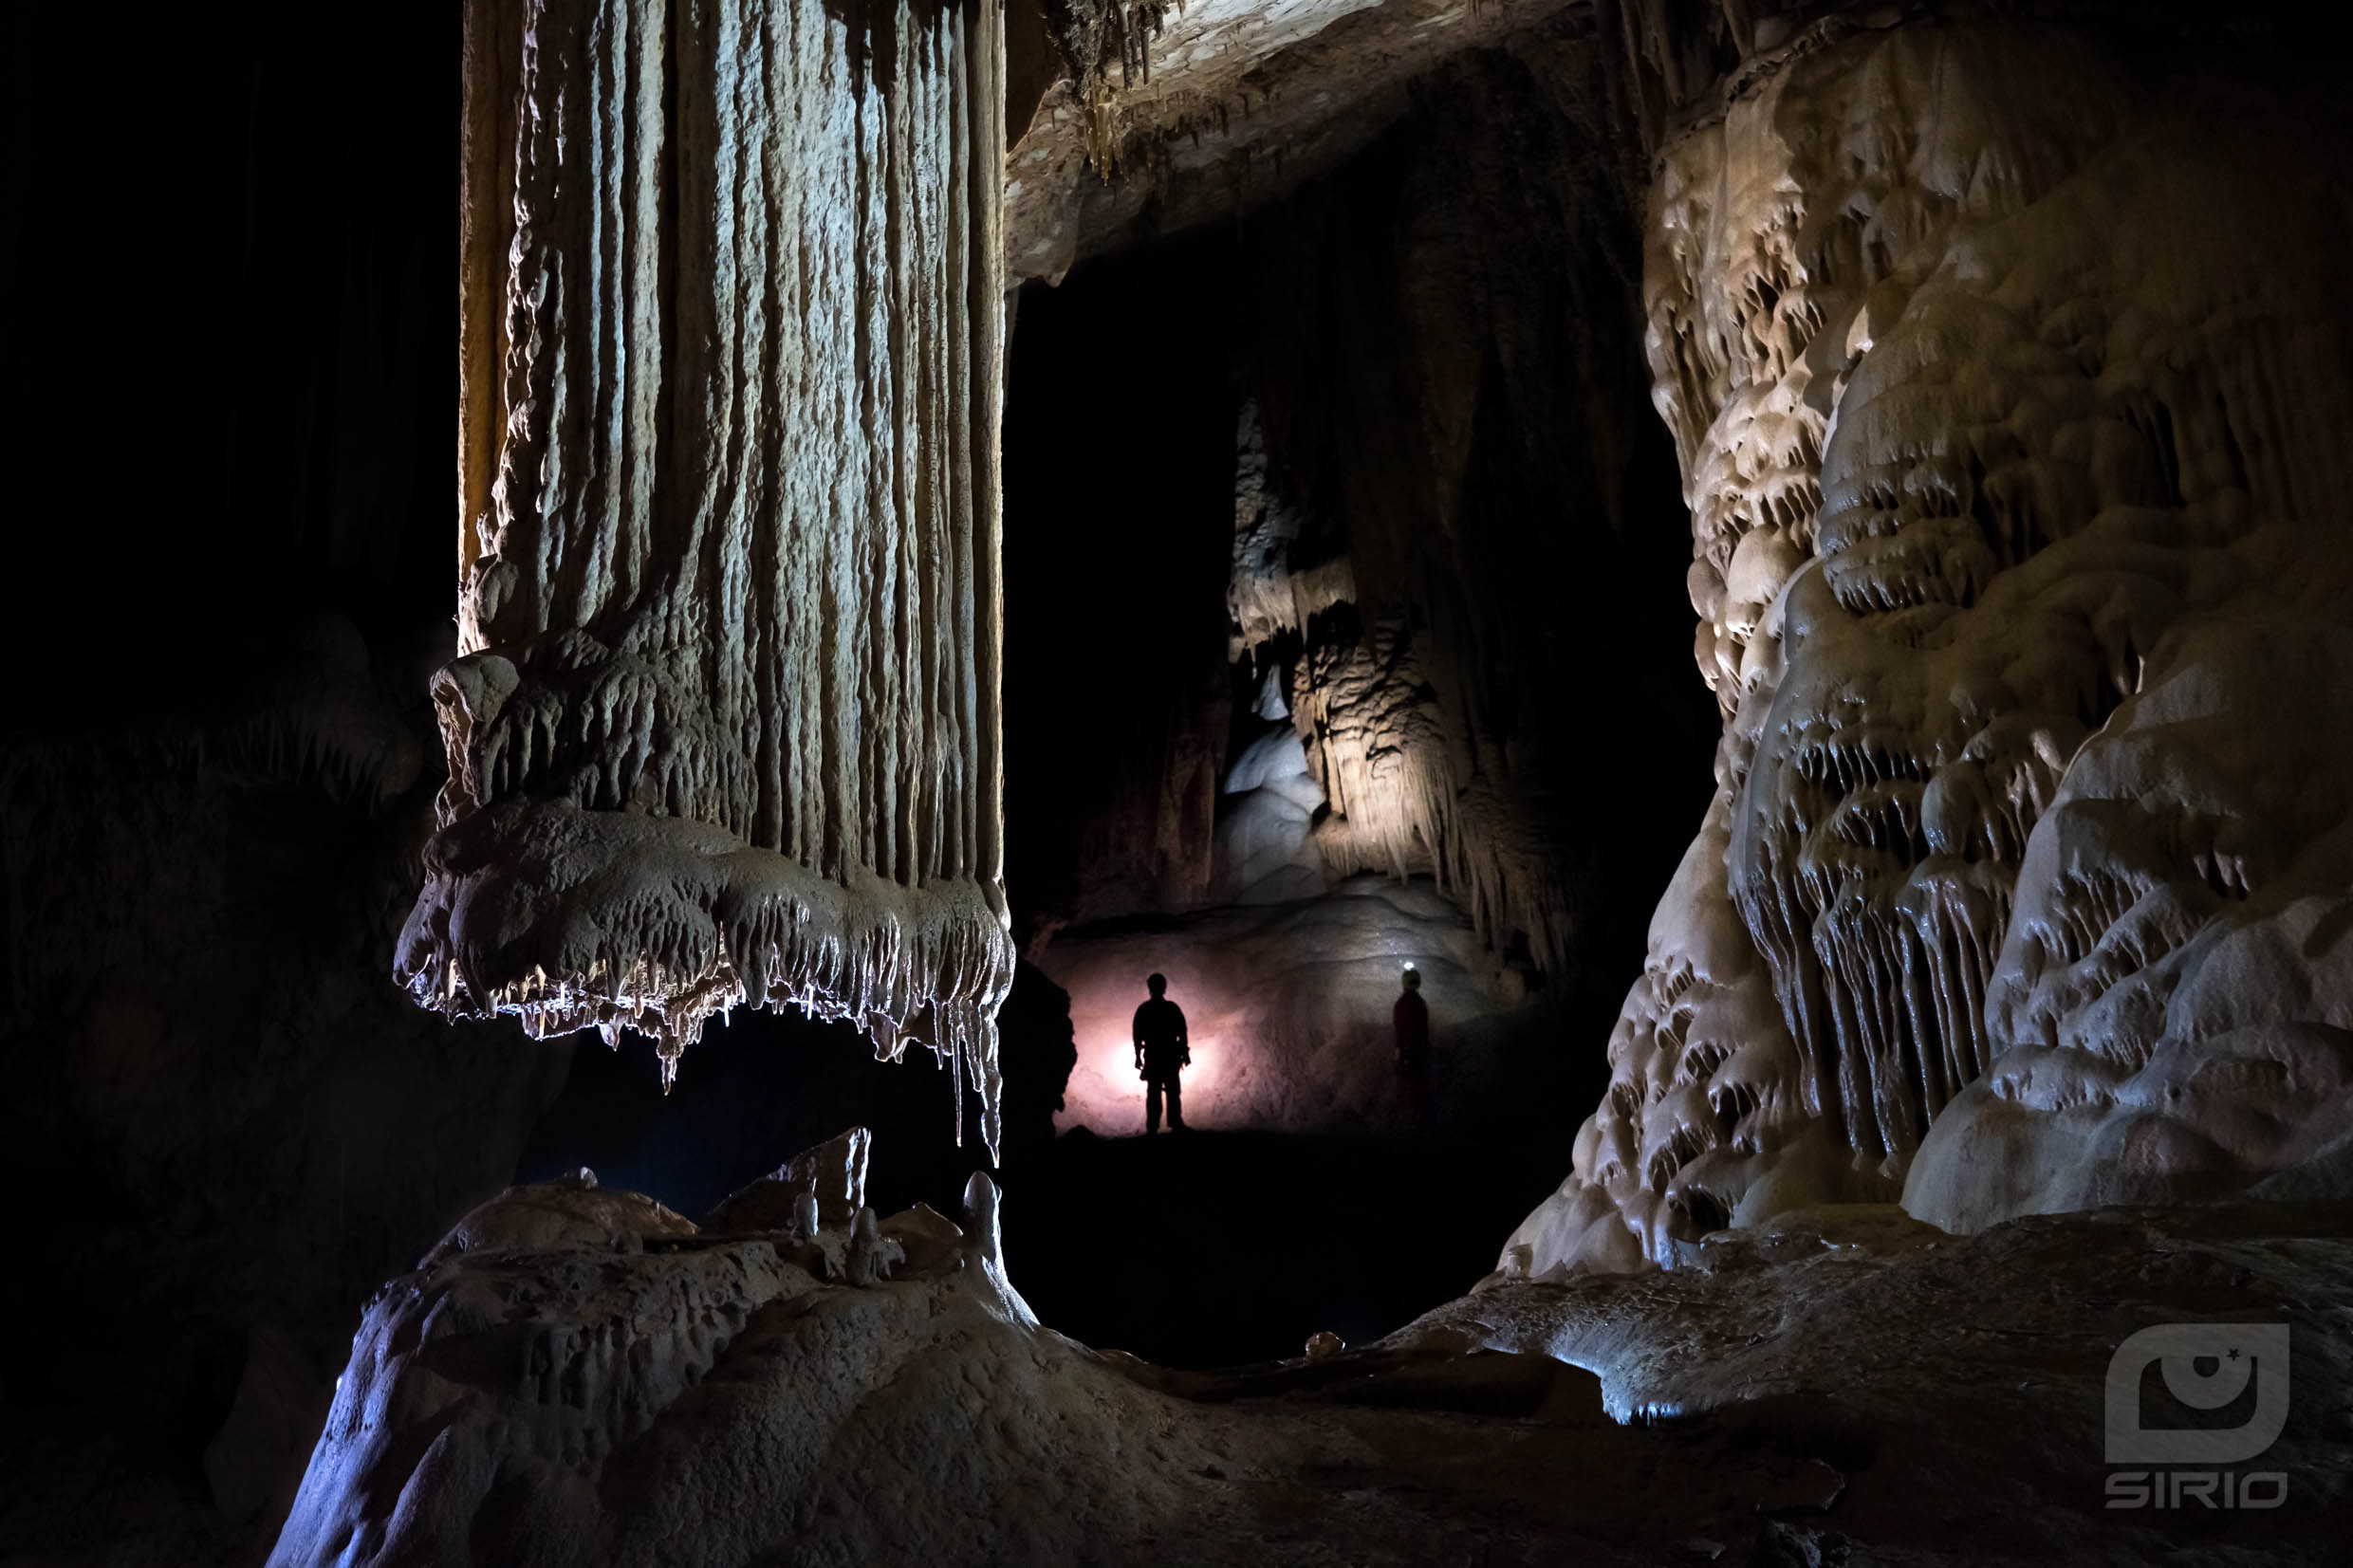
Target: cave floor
[
  {"x": 1842, "y": 1385},
  {"x": 1839, "y": 1386},
  {"x": 1208, "y": 1249},
  {"x": 1133, "y": 1242}
]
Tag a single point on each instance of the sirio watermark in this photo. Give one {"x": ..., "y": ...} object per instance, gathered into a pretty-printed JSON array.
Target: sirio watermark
[{"x": 2207, "y": 1370}]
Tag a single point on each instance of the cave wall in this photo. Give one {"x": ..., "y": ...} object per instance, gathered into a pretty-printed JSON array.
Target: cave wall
[
  {"x": 237, "y": 1122},
  {"x": 1443, "y": 502},
  {"x": 1437, "y": 442},
  {"x": 232, "y": 581},
  {"x": 1977, "y": 337},
  {"x": 1451, "y": 394}
]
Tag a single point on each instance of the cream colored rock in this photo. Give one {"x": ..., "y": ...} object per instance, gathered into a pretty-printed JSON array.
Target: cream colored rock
[
  {"x": 728, "y": 1400},
  {"x": 1187, "y": 114},
  {"x": 572, "y": 1214},
  {"x": 1974, "y": 347},
  {"x": 2176, "y": 985},
  {"x": 820, "y": 1187},
  {"x": 724, "y": 726}
]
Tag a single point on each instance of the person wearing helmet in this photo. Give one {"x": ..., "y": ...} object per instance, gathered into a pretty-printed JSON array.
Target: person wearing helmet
[{"x": 1410, "y": 1019}]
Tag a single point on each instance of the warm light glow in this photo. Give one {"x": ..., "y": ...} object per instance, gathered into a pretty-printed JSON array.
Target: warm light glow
[
  {"x": 1106, "y": 1093},
  {"x": 1289, "y": 1007}
]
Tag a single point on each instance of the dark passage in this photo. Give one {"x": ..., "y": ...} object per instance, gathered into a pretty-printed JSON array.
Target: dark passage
[
  {"x": 1210, "y": 1249},
  {"x": 1224, "y": 1248},
  {"x": 1549, "y": 544}
]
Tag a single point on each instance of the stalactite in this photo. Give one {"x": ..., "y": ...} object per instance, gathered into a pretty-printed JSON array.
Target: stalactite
[
  {"x": 1104, "y": 38},
  {"x": 724, "y": 726}
]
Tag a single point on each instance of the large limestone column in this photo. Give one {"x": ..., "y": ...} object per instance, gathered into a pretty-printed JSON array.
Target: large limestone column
[{"x": 724, "y": 726}]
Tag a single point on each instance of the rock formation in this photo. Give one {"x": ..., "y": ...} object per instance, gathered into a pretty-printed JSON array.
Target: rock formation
[
  {"x": 1414, "y": 342},
  {"x": 723, "y": 723},
  {"x": 1266, "y": 851},
  {"x": 238, "y": 1124},
  {"x": 579, "y": 1376},
  {"x": 1175, "y": 116},
  {"x": 1977, "y": 339}
]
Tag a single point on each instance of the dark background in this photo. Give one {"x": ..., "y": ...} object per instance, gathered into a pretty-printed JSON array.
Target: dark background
[{"x": 232, "y": 320}]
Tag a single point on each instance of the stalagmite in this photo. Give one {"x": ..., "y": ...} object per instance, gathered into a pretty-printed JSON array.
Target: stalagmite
[{"x": 724, "y": 726}]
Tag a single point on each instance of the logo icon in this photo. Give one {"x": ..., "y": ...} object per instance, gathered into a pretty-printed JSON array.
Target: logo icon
[{"x": 2205, "y": 1367}]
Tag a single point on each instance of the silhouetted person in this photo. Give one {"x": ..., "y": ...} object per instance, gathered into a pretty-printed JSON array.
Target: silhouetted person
[
  {"x": 1161, "y": 1053},
  {"x": 1410, "y": 1018}
]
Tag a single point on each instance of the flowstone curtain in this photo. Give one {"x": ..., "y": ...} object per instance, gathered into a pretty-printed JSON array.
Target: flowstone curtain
[{"x": 724, "y": 726}]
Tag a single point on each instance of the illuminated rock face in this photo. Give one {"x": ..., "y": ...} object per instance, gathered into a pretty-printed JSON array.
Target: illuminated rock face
[
  {"x": 2003, "y": 385},
  {"x": 724, "y": 726},
  {"x": 1266, "y": 851},
  {"x": 2176, "y": 988},
  {"x": 1183, "y": 115},
  {"x": 1449, "y": 417}
]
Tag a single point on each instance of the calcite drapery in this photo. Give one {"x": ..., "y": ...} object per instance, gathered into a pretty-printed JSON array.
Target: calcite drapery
[
  {"x": 2002, "y": 385},
  {"x": 724, "y": 726}
]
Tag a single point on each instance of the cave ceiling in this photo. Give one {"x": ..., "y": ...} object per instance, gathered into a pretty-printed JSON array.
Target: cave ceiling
[{"x": 1182, "y": 115}]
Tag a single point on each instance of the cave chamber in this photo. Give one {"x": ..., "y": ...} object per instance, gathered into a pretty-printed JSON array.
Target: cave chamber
[{"x": 1783, "y": 556}]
